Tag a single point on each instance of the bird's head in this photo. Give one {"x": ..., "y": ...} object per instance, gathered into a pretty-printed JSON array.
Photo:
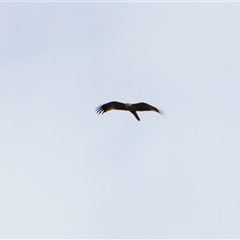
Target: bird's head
[{"x": 129, "y": 106}]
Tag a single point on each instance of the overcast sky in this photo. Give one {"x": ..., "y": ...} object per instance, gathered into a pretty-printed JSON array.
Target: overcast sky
[{"x": 67, "y": 172}]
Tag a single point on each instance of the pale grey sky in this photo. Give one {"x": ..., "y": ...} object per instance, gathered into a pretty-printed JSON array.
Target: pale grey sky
[{"x": 67, "y": 172}]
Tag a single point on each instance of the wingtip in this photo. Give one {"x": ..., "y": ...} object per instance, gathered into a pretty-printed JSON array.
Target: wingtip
[
  {"x": 161, "y": 112},
  {"x": 98, "y": 110}
]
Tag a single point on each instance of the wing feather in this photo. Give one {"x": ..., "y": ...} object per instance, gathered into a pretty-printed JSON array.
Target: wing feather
[
  {"x": 145, "y": 107},
  {"x": 111, "y": 106}
]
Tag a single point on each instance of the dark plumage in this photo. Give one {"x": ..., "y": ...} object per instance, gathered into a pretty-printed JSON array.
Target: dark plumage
[{"x": 133, "y": 108}]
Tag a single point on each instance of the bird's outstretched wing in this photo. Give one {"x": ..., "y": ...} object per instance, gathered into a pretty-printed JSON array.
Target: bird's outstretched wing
[
  {"x": 145, "y": 107},
  {"x": 110, "y": 106}
]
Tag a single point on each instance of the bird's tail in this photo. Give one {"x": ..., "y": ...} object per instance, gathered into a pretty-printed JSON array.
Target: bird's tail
[{"x": 136, "y": 116}]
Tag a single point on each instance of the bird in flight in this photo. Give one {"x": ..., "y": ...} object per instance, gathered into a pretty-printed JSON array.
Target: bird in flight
[{"x": 133, "y": 108}]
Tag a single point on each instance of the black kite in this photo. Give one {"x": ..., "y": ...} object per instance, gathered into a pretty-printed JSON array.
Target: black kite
[{"x": 133, "y": 108}]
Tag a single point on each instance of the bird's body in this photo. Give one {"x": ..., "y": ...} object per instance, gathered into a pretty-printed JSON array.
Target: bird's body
[{"x": 133, "y": 108}]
